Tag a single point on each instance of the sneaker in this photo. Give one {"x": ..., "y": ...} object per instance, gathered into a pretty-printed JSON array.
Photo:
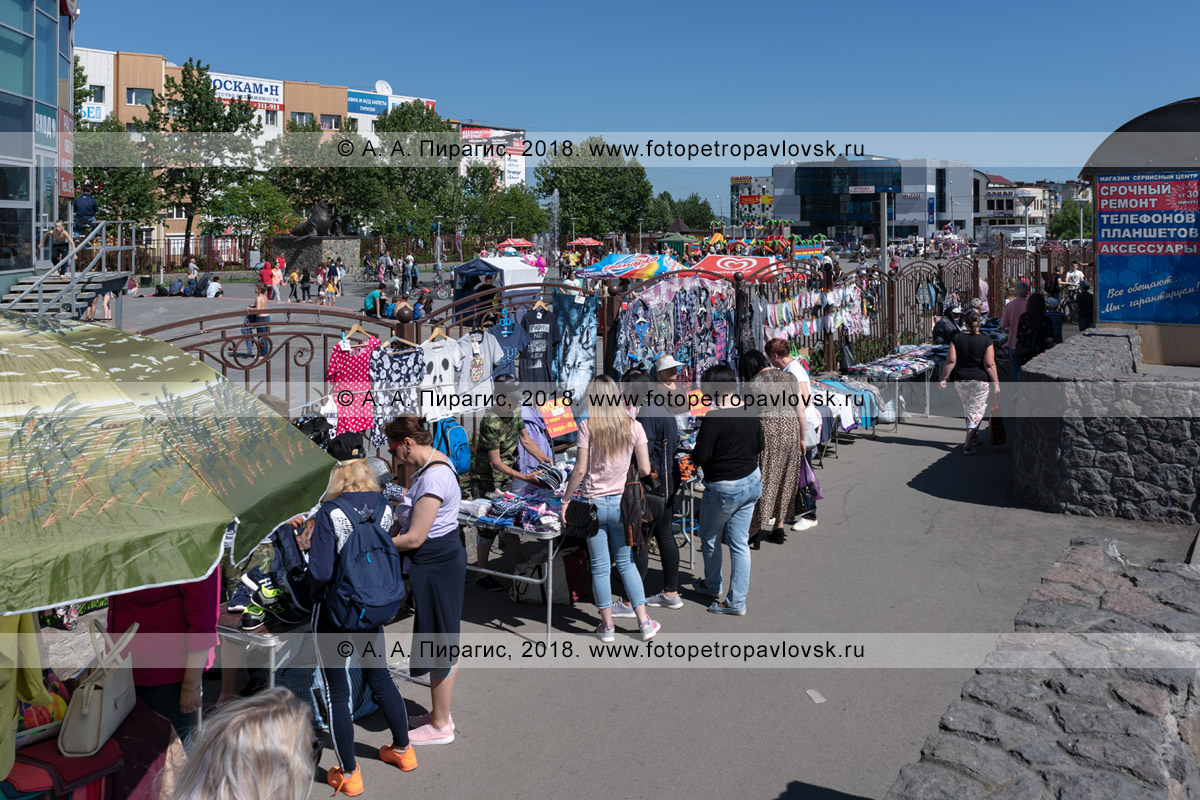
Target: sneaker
[
  {"x": 427, "y": 734},
  {"x": 426, "y": 719},
  {"x": 241, "y": 599},
  {"x": 607, "y": 634},
  {"x": 804, "y": 524},
  {"x": 623, "y": 611},
  {"x": 351, "y": 785},
  {"x": 405, "y": 759},
  {"x": 660, "y": 600},
  {"x": 649, "y": 629},
  {"x": 266, "y": 593},
  {"x": 253, "y": 618},
  {"x": 490, "y": 584},
  {"x": 721, "y": 608},
  {"x": 702, "y": 588}
]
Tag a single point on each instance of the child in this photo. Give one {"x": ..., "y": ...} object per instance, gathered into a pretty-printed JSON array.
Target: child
[{"x": 331, "y": 293}]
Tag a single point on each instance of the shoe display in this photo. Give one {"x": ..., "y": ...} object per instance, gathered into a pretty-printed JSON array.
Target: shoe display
[
  {"x": 241, "y": 599},
  {"x": 623, "y": 611},
  {"x": 607, "y": 634},
  {"x": 660, "y": 600},
  {"x": 350, "y": 785},
  {"x": 427, "y": 734},
  {"x": 253, "y": 617},
  {"x": 266, "y": 593},
  {"x": 649, "y": 629},
  {"x": 405, "y": 759},
  {"x": 490, "y": 584}
]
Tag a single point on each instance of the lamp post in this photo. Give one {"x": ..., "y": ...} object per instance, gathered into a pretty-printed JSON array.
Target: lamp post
[
  {"x": 510, "y": 226},
  {"x": 640, "y": 219},
  {"x": 162, "y": 240},
  {"x": 437, "y": 249}
]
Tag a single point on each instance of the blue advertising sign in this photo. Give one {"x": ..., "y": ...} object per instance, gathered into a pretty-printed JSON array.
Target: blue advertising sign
[
  {"x": 932, "y": 221},
  {"x": 1148, "y": 248},
  {"x": 366, "y": 103}
]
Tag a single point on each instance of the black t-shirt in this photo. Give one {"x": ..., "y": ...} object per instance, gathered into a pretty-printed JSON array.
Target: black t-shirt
[
  {"x": 1086, "y": 302},
  {"x": 969, "y": 350},
  {"x": 728, "y": 444},
  {"x": 542, "y": 328}
]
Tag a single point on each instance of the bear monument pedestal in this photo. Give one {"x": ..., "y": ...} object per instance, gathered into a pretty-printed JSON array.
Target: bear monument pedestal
[{"x": 307, "y": 252}]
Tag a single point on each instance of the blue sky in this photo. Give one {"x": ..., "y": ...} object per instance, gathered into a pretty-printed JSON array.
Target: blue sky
[{"x": 703, "y": 66}]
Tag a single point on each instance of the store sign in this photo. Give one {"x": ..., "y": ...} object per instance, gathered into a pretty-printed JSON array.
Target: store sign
[
  {"x": 400, "y": 100},
  {"x": 514, "y": 170},
  {"x": 911, "y": 196},
  {"x": 261, "y": 93},
  {"x": 767, "y": 199},
  {"x": 92, "y": 112},
  {"x": 748, "y": 199},
  {"x": 45, "y": 126},
  {"x": 862, "y": 190},
  {"x": 66, "y": 154},
  {"x": 366, "y": 103},
  {"x": 68, "y": 8},
  {"x": 741, "y": 179},
  {"x": 1148, "y": 248},
  {"x": 1000, "y": 193},
  {"x": 558, "y": 418}
]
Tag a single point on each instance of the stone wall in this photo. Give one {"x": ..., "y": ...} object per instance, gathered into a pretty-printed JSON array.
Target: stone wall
[
  {"x": 307, "y": 253},
  {"x": 1075, "y": 728},
  {"x": 1103, "y": 445}
]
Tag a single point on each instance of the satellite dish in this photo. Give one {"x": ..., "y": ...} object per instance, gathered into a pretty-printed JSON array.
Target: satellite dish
[{"x": 383, "y": 87}]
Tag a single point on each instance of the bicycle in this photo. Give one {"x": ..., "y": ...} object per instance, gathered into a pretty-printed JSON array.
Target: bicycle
[
  {"x": 1070, "y": 305},
  {"x": 441, "y": 285}
]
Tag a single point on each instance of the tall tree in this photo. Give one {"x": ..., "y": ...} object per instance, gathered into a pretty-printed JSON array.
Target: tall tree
[
  {"x": 308, "y": 168},
  {"x": 194, "y": 169},
  {"x": 1065, "y": 224},
  {"x": 418, "y": 187},
  {"x": 695, "y": 212},
  {"x": 660, "y": 213},
  {"x": 108, "y": 164},
  {"x": 256, "y": 207},
  {"x": 600, "y": 188}
]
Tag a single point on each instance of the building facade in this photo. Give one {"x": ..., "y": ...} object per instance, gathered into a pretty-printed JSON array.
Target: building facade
[
  {"x": 36, "y": 128},
  {"x": 844, "y": 199},
  {"x": 751, "y": 197}
]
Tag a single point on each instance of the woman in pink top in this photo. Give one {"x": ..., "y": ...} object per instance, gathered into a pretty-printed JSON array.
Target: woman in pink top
[
  {"x": 608, "y": 439},
  {"x": 177, "y": 631}
]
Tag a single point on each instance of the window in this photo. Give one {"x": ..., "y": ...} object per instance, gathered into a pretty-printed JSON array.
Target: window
[
  {"x": 64, "y": 36},
  {"x": 45, "y": 67},
  {"x": 16, "y": 238},
  {"x": 16, "y": 62},
  {"x": 97, "y": 93},
  {"x": 178, "y": 211},
  {"x": 14, "y": 183},
  {"x": 16, "y": 116},
  {"x": 138, "y": 97},
  {"x": 352, "y": 124},
  {"x": 66, "y": 82},
  {"x": 330, "y": 122},
  {"x": 271, "y": 117},
  {"x": 131, "y": 127},
  {"x": 302, "y": 118},
  {"x": 374, "y": 126},
  {"x": 18, "y": 14},
  {"x": 48, "y": 6}
]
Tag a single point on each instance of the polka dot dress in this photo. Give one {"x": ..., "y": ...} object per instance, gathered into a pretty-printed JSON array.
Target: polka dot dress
[{"x": 349, "y": 371}]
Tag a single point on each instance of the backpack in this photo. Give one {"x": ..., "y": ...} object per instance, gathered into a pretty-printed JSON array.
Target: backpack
[
  {"x": 367, "y": 588},
  {"x": 451, "y": 439},
  {"x": 160, "y": 291},
  {"x": 288, "y": 569},
  {"x": 1029, "y": 343},
  {"x": 634, "y": 509},
  {"x": 176, "y": 288}
]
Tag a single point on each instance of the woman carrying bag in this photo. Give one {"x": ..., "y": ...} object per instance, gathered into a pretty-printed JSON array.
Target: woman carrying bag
[{"x": 971, "y": 364}]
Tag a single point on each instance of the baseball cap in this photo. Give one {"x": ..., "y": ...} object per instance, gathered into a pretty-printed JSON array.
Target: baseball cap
[
  {"x": 666, "y": 363},
  {"x": 347, "y": 447},
  {"x": 956, "y": 310},
  {"x": 1084, "y": 285},
  {"x": 383, "y": 473},
  {"x": 1052, "y": 302}
]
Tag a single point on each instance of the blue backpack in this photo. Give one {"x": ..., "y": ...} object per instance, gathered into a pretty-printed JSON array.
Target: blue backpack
[
  {"x": 451, "y": 439},
  {"x": 367, "y": 587}
]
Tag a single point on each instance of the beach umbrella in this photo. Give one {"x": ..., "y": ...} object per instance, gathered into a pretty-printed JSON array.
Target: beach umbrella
[{"x": 123, "y": 461}]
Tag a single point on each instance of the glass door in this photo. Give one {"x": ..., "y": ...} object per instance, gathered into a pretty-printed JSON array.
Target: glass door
[{"x": 44, "y": 207}]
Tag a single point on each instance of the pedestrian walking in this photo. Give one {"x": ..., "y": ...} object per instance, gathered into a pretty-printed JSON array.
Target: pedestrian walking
[{"x": 971, "y": 364}]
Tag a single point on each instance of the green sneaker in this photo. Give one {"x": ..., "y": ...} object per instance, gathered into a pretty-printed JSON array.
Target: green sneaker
[
  {"x": 266, "y": 593},
  {"x": 253, "y": 617}
]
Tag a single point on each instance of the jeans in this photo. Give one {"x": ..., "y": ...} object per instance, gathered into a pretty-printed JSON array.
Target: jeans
[
  {"x": 164, "y": 700},
  {"x": 725, "y": 513},
  {"x": 1016, "y": 365},
  {"x": 612, "y": 538}
]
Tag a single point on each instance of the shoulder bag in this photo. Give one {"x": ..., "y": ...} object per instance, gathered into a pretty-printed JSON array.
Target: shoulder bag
[
  {"x": 582, "y": 521},
  {"x": 102, "y": 699}
]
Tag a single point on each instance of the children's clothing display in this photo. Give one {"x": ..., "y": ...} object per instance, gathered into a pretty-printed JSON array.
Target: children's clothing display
[
  {"x": 349, "y": 371},
  {"x": 442, "y": 359},
  {"x": 395, "y": 377}
]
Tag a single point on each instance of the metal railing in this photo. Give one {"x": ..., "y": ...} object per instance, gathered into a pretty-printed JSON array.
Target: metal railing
[{"x": 122, "y": 233}]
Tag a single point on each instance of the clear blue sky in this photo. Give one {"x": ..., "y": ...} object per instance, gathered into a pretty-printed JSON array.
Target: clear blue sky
[{"x": 704, "y": 66}]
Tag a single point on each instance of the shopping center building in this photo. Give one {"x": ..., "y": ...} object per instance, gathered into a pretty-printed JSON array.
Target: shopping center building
[
  {"x": 843, "y": 199},
  {"x": 36, "y": 127}
]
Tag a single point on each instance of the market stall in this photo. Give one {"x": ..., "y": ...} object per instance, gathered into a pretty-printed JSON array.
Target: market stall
[{"x": 634, "y": 266}]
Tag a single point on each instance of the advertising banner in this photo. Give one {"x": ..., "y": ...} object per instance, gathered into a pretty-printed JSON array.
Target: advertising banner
[
  {"x": 366, "y": 103},
  {"x": 66, "y": 154},
  {"x": 1148, "y": 248},
  {"x": 862, "y": 190},
  {"x": 45, "y": 126},
  {"x": 261, "y": 93}
]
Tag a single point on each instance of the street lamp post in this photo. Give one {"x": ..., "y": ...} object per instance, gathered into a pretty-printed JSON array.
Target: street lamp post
[
  {"x": 437, "y": 250},
  {"x": 640, "y": 219},
  {"x": 510, "y": 226}
]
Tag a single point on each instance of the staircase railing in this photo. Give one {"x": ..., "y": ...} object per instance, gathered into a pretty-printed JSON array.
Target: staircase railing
[{"x": 124, "y": 241}]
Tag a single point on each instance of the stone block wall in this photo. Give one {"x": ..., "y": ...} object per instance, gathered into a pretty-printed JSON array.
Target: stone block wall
[
  {"x": 1078, "y": 729},
  {"x": 1086, "y": 460},
  {"x": 309, "y": 252}
]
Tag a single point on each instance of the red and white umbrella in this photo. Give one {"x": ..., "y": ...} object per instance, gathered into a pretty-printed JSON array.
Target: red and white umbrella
[
  {"x": 518, "y": 243},
  {"x": 584, "y": 241}
]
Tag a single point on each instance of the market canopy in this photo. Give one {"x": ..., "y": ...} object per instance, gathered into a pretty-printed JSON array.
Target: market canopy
[
  {"x": 676, "y": 238},
  {"x": 728, "y": 266},
  {"x": 518, "y": 243},
  {"x": 632, "y": 266},
  {"x": 123, "y": 460},
  {"x": 584, "y": 241}
]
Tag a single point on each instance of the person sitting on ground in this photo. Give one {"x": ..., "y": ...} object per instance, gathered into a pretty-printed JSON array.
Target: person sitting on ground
[
  {"x": 374, "y": 304},
  {"x": 214, "y": 287},
  {"x": 268, "y": 736},
  {"x": 500, "y": 431},
  {"x": 948, "y": 326}
]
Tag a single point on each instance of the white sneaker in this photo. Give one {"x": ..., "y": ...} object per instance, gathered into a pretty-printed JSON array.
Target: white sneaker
[
  {"x": 623, "y": 611},
  {"x": 660, "y": 600},
  {"x": 606, "y": 634},
  {"x": 649, "y": 629},
  {"x": 804, "y": 524}
]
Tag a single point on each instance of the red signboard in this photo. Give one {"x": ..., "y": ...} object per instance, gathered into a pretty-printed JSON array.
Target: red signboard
[
  {"x": 558, "y": 418},
  {"x": 66, "y": 154},
  {"x": 748, "y": 199}
]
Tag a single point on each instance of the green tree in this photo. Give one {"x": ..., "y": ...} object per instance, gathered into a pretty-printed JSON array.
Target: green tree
[
  {"x": 414, "y": 194},
  {"x": 480, "y": 190},
  {"x": 195, "y": 169},
  {"x": 695, "y": 212},
  {"x": 603, "y": 190},
  {"x": 1065, "y": 224},
  {"x": 660, "y": 213},
  {"x": 81, "y": 93},
  {"x": 104, "y": 165},
  {"x": 255, "y": 208},
  {"x": 309, "y": 168}
]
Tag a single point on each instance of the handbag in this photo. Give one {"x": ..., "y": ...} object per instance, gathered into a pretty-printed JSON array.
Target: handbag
[
  {"x": 996, "y": 425},
  {"x": 103, "y": 697},
  {"x": 582, "y": 521}
]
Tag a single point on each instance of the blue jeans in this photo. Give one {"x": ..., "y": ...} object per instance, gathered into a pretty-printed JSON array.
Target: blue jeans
[
  {"x": 725, "y": 513},
  {"x": 611, "y": 538},
  {"x": 164, "y": 700},
  {"x": 1016, "y": 365}
]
